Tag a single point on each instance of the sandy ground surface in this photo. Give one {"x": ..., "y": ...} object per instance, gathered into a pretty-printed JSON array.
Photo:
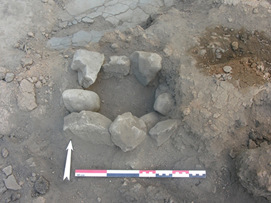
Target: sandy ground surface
[{"x": 221, "y": 112}]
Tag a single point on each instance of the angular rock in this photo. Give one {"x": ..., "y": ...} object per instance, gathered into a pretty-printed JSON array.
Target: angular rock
[
  {"x": 163, "y": 103},
  {"x": 7, "y": 170},
  {"x": 150, "y": 119},
  {"x": 88, "y": 65},
  {"x": 127, "y": 131},
  {"x": 26, "y": 96},
  {"x": 11, "y": 183},
  {"x": 145, "y": 66},
  {"x": 9, "y": 77},
  {"x": 41, "y": 185},
  {"x": 76, "y": 100},
  {"x": 254, "y": 171},
  {"x": 227, "y": 69},
  {"x": 26, "y": 62},
  {"x": 118, "y": 65},
  {"x": 81, "y": 38},
  {"x": 163, "y": 130},
  {"x": 58, "y": 43},
  {"x": 90, "y": 126},
  {"x": 3, "y": 72}
]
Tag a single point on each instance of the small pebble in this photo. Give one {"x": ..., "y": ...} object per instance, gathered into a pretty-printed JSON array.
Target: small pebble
[
  {"x": 38, "y": 85},
  {"x": 186, "y": 111},
  {"x": 114, "y": 46},
  {"x": 218, "y": 55},
  {"x": 227, "y": 69},
  {"x": 255, "y": 11},
  {"x": 9, "y": 77},
  {"x": 5, "y": 153},
  {"x": 99, "y": 199},
  {"x": 234, "y": 46},
  {"x": 34, "y": 79},
  {"x": 230, "y": 20},
  {"x": 30, "y": 34}
]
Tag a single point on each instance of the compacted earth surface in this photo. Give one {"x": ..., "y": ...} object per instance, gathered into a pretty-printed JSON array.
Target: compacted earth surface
[{"x": 138, "y": 84}]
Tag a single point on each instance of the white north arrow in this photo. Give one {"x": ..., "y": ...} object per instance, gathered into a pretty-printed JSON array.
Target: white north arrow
[{"x": 67, "y": 170}]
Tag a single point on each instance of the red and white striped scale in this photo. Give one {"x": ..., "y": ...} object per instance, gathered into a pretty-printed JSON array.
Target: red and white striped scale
[{"x": 142, "y": 173}]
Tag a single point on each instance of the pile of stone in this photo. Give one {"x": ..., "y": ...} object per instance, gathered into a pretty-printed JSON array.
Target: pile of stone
[{"x": 126, "y": 131}]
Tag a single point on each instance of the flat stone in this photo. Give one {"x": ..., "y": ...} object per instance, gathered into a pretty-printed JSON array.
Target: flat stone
[
  {"x": 118, "y": 65},
  {"x": 127, "y": 131},
  {"x": 26, "y": 96},
  {"x": 81, "y": 38},
  {"x": 87, "y": 20},
  {"x": 4, "y": 153},
  {"x": 11, "y": 183},
  {"x": 3, "y": 72},
  {"x": 80, "y": 6},
  {"x": 76, "y": 100},
  {"x": 58, "y": 43},
  {"x": 7, "y": 170},
  {"x": 150, "y": 119},
  {"x": 88, "y": 65},
  {"x": 26, "y": 62},
  {"x": 9, "y": 77},
  {"x": 163, "y": 104},
  {"x": 227, "y": 69},
  {"x": 41, "y": 185},
  {"x": 145, "y": 66},
  {"x": 163, "y": 130},
  {"x": 89, "y": 126},
  {"x": 39, "y": 200}
]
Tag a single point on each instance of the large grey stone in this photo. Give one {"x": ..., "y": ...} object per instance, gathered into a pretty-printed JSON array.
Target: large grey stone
[
  {"x": 11, "y": 183},
  {"x": 163, "y": 103},
  {"x": 88, "y": 65},
  {"x": 150, "y": 119},
  {"x": 118, "y": 65},
  {"x": 76, "y": 100},
  {"x": 26, "y": 96},
  {"x": 90, "y": 126},
  {"x": 81, "y": 38},
  {"x": 127, "y": 131},
  {"x": 58, "y": 43},
  {"x": 145, "y": 66},
  {"x": 254, "y": 171},
  {"x": 163, "y": 130}
]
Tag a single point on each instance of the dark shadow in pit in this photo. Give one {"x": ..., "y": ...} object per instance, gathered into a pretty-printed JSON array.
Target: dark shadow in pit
[{"x": 120, "y": 95}]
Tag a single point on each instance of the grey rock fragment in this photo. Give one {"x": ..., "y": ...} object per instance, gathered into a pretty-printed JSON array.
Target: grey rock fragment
[
  {"x": 150, "y": 119},
  {"x": 3, "y": 72},
  {"x": 7, "y": 170},
  {"x": 127, "y": 131},
  {"x": 163, "y": 130},
  {"x": 234, "y": 46},
  {"x": 26, "y": 62},
  {"x": 89, "y": 126},
  {"x": 87, "y": 20},
  {"x": 11, "y": 183},
  {"x": 254, "y": 172},
  {"x": 88, "y": 65},
  {"x": 4, "y": 153},
  {"x": 81, "y": 38},
  {"x": 26, "y": 96},
  {"x": 227, "y": 69},
  {"x": 41, "y": 185},
  {"x": 9, "y": 77},
  {"x": 118, "y": 65},
  {"x": 76, "y": 100},
  {"x": 58, "y": 43},
  {"x": 145, "y": 66},
  {"x": 163, "y": 103}
]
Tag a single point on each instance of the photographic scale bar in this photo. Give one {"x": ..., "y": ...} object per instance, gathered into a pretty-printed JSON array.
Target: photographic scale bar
[{"x": 141, "y": 173}]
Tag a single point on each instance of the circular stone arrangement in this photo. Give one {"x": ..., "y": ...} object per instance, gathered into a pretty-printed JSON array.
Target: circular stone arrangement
[{"x": 126, "y": 131}]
